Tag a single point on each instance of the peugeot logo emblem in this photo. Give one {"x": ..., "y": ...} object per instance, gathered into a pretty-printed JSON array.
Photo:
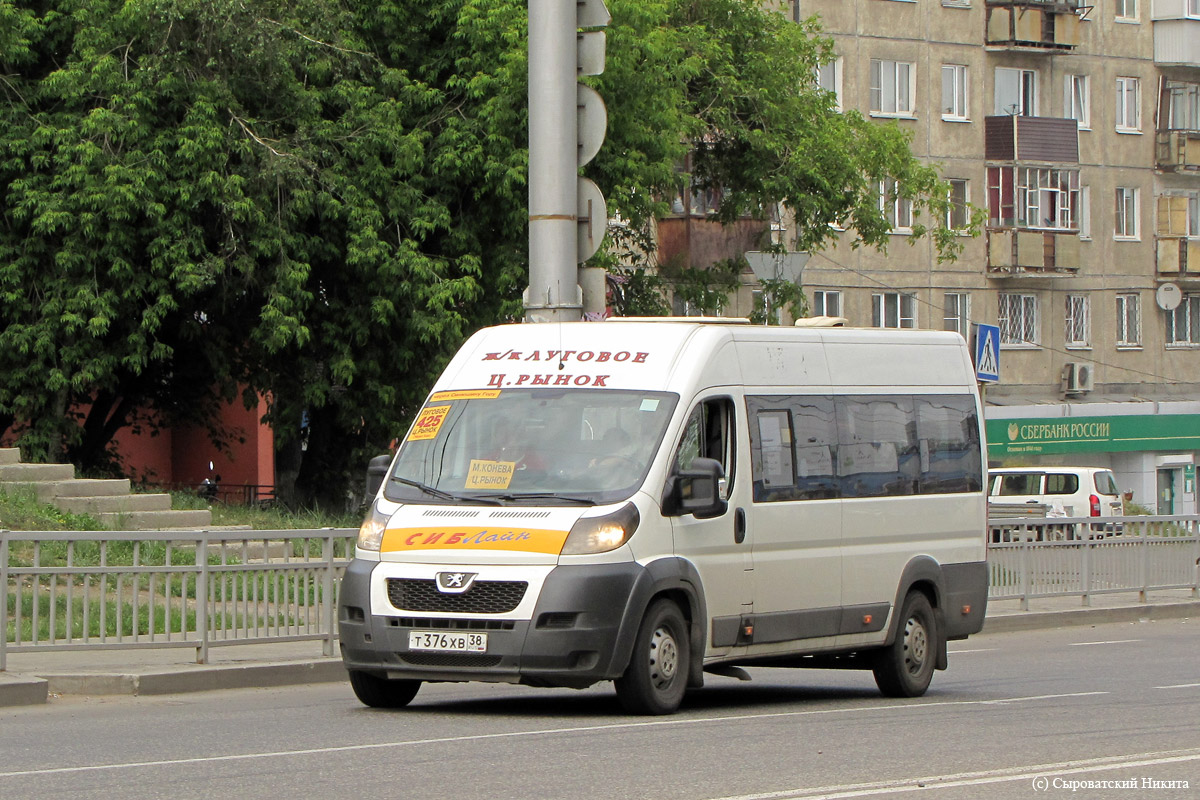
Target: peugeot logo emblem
[{"x": 455, "y": 582}]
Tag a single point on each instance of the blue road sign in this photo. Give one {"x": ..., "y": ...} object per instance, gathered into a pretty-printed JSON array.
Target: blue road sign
[{"x": 987, "y": 353}]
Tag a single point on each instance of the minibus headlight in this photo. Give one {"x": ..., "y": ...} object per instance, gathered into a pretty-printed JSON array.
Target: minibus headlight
[
  {"x": 370, "y": 534},
  {"x": 600, "y": 534}
]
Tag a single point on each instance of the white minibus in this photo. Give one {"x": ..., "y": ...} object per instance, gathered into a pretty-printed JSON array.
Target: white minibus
[{"x": 645, "y": 501}]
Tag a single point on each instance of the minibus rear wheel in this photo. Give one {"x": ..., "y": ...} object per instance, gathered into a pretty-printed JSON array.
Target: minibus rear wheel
[
  {"x": 378, "y": 692},
  {"x": 656, "y": 678},
  {"x": 905, "y": 667}
]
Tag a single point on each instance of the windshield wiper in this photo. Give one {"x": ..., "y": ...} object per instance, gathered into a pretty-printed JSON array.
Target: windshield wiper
[
  {"x": 442, "y": 495},
  {"x": 515, "y": 498}
]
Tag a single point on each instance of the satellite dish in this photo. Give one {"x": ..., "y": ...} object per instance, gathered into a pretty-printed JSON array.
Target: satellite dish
[{"x": 1168, "y": 297}]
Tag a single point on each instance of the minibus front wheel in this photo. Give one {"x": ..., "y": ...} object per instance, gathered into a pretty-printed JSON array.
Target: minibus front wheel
[
  {"x": 657, "y": 675},
  {"x": 379, "y": 692}
]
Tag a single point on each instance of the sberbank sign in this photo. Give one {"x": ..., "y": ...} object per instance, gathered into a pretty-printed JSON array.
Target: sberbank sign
[{"x": 1011, "y": 437}]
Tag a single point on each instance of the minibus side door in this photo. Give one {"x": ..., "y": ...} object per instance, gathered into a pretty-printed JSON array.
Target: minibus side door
[{"x": 718, "y": 546}]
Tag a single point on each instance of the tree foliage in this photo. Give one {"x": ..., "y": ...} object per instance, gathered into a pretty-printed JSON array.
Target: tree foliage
[{"x": 317, "y": 201}]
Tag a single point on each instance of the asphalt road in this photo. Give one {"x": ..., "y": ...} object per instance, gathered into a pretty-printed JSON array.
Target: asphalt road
[{"x": 1084, "y": 712}]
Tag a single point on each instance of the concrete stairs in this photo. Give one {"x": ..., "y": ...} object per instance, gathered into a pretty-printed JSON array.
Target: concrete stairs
[{"x": 109, "y": 501}]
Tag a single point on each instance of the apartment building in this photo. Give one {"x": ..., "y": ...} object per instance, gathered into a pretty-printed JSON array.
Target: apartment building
[{"x": 1076, "y": 125}]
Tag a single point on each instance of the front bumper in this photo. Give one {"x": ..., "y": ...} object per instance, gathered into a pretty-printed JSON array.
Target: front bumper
[{"x": 579, "y": 632}]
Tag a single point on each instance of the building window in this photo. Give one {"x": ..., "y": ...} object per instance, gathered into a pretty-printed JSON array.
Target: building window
[
  {"x": 1078, "y": 332},
  {"x": 1178, "y": 215},
  {"x": 1076, "y": 101},
  {"x": 1183, "y": 323},
  {"x": 1127, "y": 213},
  {"x": 892, "y": 87},
  {"x": 1182, "y": 105},
  {"x": 1129, "y": 320},
  {"x": 1129, "y": 104},
  {"x": 1084, "y": 217},
  {"x": 896, "y": 209},
  {"x": 954, "y": 92},
  {"x": 1016, "y": 92},
  {"x": 1193, "y": 9},
  {"x": 1018, "y": 318},
  {"x": 829, "y": 78},
  {"x": 956, "y": 314},
  {"x": 957, "y": 215},
  {"x": 893, "y": 310},
  {"x": 826, "y": 303},
  {"x": 1127, "y": 10},
  {"x": 1033, "y": 197}
]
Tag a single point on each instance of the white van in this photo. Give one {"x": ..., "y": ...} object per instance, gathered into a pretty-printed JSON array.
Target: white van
[
  {"x": 643, "y": 501},
  {"x": 1062, "y": 491}
]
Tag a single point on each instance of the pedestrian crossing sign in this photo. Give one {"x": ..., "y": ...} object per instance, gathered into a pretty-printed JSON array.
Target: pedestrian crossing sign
[{"x": 987, "y": 353}]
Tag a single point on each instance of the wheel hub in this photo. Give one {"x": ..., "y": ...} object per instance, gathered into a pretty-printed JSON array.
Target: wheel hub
[
  {"x": 664, "y": 657},
  {"x": 916, "y": 643}
]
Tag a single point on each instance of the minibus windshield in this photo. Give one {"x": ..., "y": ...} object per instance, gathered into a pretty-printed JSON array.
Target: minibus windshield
[{"x": 530, "y": 446}]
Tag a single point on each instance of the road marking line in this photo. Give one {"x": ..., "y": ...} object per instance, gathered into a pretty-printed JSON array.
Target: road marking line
[
  {"x": 1003, "y": 775},
  {"x": 1114, "y": 641},
  {"x": 673, "y": 722},
  {"x": 979, "y": 650},
  {"x": 1180, "y": 686}
]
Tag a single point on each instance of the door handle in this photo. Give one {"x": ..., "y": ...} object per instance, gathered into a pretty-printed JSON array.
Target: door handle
[{"x": 739, "y": 525}]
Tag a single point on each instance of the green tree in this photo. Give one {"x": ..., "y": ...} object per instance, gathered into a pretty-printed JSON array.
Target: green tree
[{"x": 317, "y": 201}]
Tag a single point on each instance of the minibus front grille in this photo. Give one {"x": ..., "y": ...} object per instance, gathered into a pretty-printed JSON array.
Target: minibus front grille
[
  {"x": 448, "y": 660},
  {"x": 455, "y": 624},
  {"x": 484, "y": 597}
]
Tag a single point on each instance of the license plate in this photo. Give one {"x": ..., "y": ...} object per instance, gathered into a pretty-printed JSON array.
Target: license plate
[{"x": 447, "y": 642}]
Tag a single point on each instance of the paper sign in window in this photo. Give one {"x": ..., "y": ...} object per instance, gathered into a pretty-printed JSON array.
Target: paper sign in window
[
  {"x": 490, "y": 474},
  {"x": 429, "y": 423},
  {"x": 775, "y": 435}
]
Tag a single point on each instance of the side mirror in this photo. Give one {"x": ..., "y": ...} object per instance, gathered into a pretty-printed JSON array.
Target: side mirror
[
  {"x": 377, "y": 469},
  {"x": 698, "y": 489}
]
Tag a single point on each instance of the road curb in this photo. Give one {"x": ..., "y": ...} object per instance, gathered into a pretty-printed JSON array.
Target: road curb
[
  {"x": 22, "y": 690},
  {"x": 1036, "y": 620},
  {"x": 198, "y": 678}
]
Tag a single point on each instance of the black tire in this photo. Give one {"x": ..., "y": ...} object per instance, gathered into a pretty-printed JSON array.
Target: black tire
[
  {"x": 905, "y": 667},
  {"x": 378, "y": 692},
  {"x": 657, "y": 675}
]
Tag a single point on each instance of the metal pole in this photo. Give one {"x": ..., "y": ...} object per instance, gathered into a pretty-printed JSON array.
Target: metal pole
[
  {"x": 201, "y": 600},
  {"x": 329, "y": 610},
  {"x": 553, "y": 294},
  {"x": 4, "y": 607}
]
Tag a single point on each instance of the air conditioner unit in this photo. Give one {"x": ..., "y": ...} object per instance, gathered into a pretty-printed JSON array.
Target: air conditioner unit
[{"x": 1079, "y": 377}]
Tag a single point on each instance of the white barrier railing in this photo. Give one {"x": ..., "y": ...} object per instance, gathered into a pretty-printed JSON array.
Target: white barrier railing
[
  {"x": 121, "y": 590},
  {"x": 118, "y": 590},
  {"x": 1047, "y": 557}
]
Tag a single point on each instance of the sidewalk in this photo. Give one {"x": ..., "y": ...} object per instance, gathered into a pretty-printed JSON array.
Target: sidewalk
[{"x": 32, "y": 678}]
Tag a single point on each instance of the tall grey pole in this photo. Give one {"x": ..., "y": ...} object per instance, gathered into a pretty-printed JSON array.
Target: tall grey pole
[{"x": 553, "y": 294}]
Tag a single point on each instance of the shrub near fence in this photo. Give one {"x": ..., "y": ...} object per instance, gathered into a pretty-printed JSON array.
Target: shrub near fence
[
  {"x": 1030, "y": 558},
  {"x": 114, "y": 590}
]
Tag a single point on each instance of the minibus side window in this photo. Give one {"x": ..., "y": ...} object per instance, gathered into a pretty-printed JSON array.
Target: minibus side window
[
  {"x": 793, "y": 445},
  {"x": 877, "y": 455},
  {"x": 709, "y": 434}
]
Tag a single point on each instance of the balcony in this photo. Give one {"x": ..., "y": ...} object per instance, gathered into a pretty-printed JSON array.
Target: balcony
[
  {"x": 1178, "y": 258},
  {"x": 1176, "y": 35},
  {"x": 1033, "y": 25},
  {"x": 1041, "y": 139},
  {"x": 1018, "y": 253},
  {"x": 1177, "y": 151}
]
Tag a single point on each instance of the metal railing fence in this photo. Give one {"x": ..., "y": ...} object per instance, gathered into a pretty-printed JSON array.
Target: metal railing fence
[
  {"x": 112, "y": 590},
  {"x": 1049, "y": 557},
  {"x": 122, "y": 590}
]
